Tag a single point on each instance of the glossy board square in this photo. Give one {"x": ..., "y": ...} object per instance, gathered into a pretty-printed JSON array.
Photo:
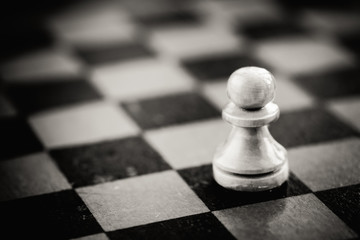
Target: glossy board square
[
  {"x": 348, "y": 110},
  {"x": 289, "y": 96},
  {"x": 89, "y": 23},
  {"x": 233, "y": 13},
  {"x": 300, "y": 217},
  {"x": 30, "y": 175},
  {"x": 215, "y": 92},
  {"x": 332, "y": 22},
  {"x": 81, "y": 124},
  {"x": 270, "y": 29},
  {"x": 331, "y": 84},
  {"x": 13, "y": 44},
  {"x": 155, "y": 9},
  {"x": 170, "y": 110},
  {"x": 349, "y": 41},
  {"x": 98, "y": 236},
  {"x": 17, "y": 138},
  {"x": 194, "y": 41},
  {"x": 60, "y": 215},
  {"x": 107, "y": 161},
  {"x": 308, "y": 126},
  {"x": 36, "y": 97},
  {"x": 345, "y": 203},
  {"x": 217, "y": 67},
  {"x": 308, "y": 4},
  {"x": 141, "y": 200},
  {"x": 123, "y": 81},
  {"x": 189, "y": 145},
  {"x": 201, "y": 181},
  {"x": 172, "y": 18},
  {"x": 110, "y": 53},
  {"x": 45, "y": 65},
  {"x": 294, "y": 55},
  {"x": 6, "y": 108},
  {"x": 327, "y": 165},
  {"x": 200, "y": 226}
]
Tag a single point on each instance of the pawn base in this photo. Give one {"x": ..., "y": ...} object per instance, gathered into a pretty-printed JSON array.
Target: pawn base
[{"x": 251, "y": 183}]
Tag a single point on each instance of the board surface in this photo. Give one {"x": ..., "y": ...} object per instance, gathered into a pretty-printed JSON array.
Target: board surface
[{"x": 110, "y": 113}]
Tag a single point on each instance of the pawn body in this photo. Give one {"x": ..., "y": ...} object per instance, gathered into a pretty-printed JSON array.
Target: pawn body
[{"x": 250, "y": 159}]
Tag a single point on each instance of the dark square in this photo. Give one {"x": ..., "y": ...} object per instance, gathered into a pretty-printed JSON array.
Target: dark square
[
  {"x": 337, "y": 5},
  {"x": 331, "y": 84},
  {"x": 170, "y": 18},
  {"x": 168, "y": 110},
  {"x": 35, "y": 97},
  {"x": 308, "y": 126},
  {"x": 17, "y": 138},
  {"x": 111, "y": 53},
  {"x": 6, "y": 108},
  {"x": 270, "y": 29},
  {"x": 201, "y": 181},
  {"x": 23, "y": 38},
  {"x": 201, "y": 226},
  {"x": 351, "y": 42},
  {"x": 60, "y": 215},
  {"x": 107, "y": 161},
  {"x": 344, "y": 202},
  {"x": 218, "y": 67}
]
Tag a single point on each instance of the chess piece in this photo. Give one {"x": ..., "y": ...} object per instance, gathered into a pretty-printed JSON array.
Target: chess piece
[{"x": 250, "y": 159}]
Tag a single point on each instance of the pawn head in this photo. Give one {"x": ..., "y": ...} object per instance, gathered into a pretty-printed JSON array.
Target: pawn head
[{"x": 251, "y": 88}]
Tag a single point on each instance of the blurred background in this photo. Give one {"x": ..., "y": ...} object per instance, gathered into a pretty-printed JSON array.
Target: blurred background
[
  {"x": 99, "y": 32},
  {"x": 58, "y": 53}
]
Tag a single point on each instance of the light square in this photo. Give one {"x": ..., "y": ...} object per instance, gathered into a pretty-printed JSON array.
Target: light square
[
  {"x": 249, "y": 11},
  {"x": 215, "y": 92},
  {"x": 290, "y": 97},
  {"x": 331, "y": 21},
  {"x": 44, "y": 65},
  {"x": 94, "y": 23},
  {"x": 348, "y": 110},
  {"x": 141, "y": 200},
  {"x": 327, "y": 165},
  {"x": 194, "y": 41},
  {"x": 141, "y": 79},
  {"x": 190, "y": 144},
  {"x": 81, "y": 124},
  {"x": 300, "y": 217},
  {"x": 301, "y": 55},
  {"x": 228, "y": 13},
  {"x": 92, "y": 35},
  {"x": 30, "y": 175}
]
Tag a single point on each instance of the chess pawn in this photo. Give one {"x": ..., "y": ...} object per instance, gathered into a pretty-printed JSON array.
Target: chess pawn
[{"x": 250, "y": 159}]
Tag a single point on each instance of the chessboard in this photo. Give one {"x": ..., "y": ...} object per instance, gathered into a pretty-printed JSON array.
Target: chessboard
[{"x": 110, "y": 114}]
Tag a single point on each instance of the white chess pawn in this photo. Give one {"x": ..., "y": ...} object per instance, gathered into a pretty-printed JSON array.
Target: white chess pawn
[{"x": 250, "y": 159}]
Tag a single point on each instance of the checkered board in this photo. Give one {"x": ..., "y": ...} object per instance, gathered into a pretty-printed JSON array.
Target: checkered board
[{"x": 110, "y": 113}]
